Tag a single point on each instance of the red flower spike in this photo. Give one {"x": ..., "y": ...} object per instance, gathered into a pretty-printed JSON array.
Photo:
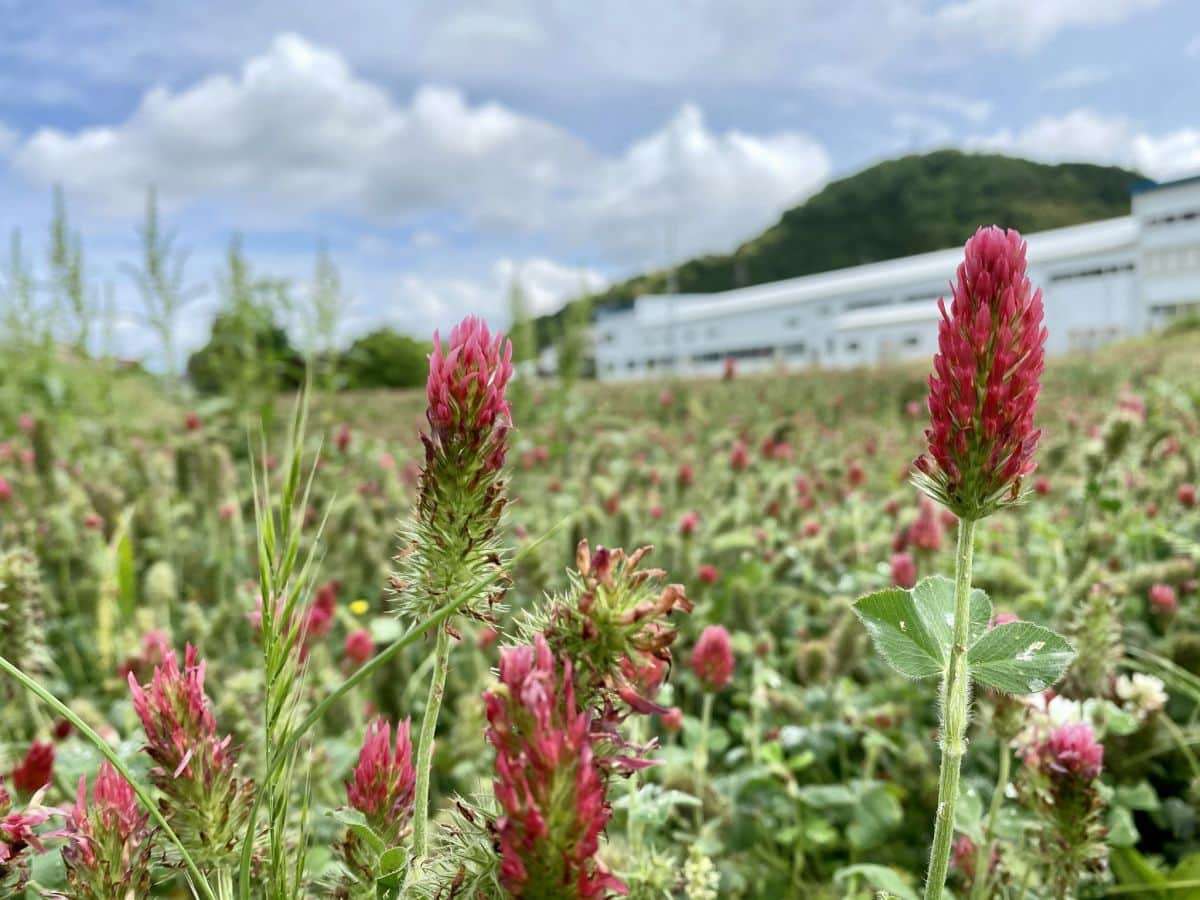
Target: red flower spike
[
  {"x": 987, "y": 376},
  {"x": 549, "y": 783}
]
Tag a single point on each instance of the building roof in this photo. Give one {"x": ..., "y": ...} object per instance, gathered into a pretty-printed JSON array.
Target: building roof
[
  {"x": 897, "y": 314},
  {"x": 1045, "y": 247},
  {"x": 1145, "y": 187}
]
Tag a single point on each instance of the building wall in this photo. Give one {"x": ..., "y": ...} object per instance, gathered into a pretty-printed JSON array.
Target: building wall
[{"x": 1101, "y": 282}]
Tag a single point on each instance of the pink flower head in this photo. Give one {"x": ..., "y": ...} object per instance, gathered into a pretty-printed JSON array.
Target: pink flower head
[
  {"x": 963, "y": 855},
  {"x": 712, "y": 658},
  {"x": 192, "y": 422},
  {"x": 341, "y": 438},
  {"x": 384, "y": 779},
  {"x": 1071, "y": 751},
  {"x": 181, "y": 733},
  {"x": 108, "y": 847},
  {"x": 987, "y": 376},
  {"x": 688, "y": 523},
  {"x": 35, "y": 769},
  {"x": 739, "y": 456},
  {"x": 707, "y": 573},
  {"x": 6, "y": 491},
  {"x": 926, "y": 531},
  {"x": 904, "y": 570},
  {"x": 466, "y": 390},
  {"x": 549, "y": 784},
  {"x": 359, "y": 647},
  {"x": 1164, "y": 599},
  {"x": 319, "y": 618},
  {"x": 672, "y": 719},
  {"x": 1187, "y": 495},
  {"x": 17, "y": 831}
]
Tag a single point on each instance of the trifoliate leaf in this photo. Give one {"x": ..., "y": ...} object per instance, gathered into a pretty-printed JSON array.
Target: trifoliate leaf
[
  {"x": 913, "y": 629},
  {"x": 1019, "y": 658}
]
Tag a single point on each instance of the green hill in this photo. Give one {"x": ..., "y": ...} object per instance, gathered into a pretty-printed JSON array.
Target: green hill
[{"x": 896, "y": 208}]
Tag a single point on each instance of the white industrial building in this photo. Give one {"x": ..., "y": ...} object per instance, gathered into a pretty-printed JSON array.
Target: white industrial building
[{"x": 1101, "y": 281}]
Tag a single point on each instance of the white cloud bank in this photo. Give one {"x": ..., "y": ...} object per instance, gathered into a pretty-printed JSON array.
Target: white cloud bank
[
  {"x": 1086, "y": 135},
  {"x": 1027, "y": 25},
  {"x": 297, "y": 131}
]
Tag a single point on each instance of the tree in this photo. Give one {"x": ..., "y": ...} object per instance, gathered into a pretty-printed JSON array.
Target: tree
[{"x": 386, "y": 359}]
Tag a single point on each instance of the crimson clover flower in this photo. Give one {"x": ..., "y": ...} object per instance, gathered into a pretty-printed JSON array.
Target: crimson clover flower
[{"x": 987, "y": 376}]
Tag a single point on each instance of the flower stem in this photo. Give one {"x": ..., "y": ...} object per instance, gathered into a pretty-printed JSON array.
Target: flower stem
[
  {"x": 701, "y": 758},
  {"x": 433, "y": 705},
  {"x": 956, "y": 701},
  {"x": 983, "y": 856}
]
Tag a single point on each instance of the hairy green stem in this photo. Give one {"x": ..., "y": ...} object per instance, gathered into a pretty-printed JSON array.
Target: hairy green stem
[
  {"x": 983, "y": 856},
  {"x": 34, "y": 687},
  {"x": 956, "y": 702},
  {"x": 433, "y": 706}
]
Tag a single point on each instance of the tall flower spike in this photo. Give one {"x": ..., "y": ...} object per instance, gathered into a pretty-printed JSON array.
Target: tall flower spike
[
  {"x": 109, "y": 842},
  {"x": 549, "y": 785},
  {"x": 461, "y": 491},
  {"x": 194, "y": 767},
  {"x": 987, "y": 376}
]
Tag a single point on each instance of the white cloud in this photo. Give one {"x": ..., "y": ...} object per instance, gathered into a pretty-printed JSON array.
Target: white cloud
[
  {"x": 1087, "y": 135},
  {"x": 419, "y": 303},
  {"x": 1026, "y": 25},
  {"x": 547, "y": 284},
  {"x": 1077, "y": 78},
  {"x": 298, "y": 131},
  {"x": 690, "y": 190}
]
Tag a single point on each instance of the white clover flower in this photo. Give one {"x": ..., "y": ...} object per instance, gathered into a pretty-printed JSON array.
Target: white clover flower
[{"x": 1141, "y": 694}]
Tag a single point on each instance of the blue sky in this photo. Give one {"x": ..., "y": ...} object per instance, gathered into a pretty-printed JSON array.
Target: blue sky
[{"x": 440, "y": 148}]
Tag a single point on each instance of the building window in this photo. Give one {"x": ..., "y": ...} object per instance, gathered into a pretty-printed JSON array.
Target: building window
[
  {"x": 1190, "y": 215},
  {"x": 912, "y": 341},
  {"x": 851, "y": 346},
  {"x": 1094, "y": 272}
]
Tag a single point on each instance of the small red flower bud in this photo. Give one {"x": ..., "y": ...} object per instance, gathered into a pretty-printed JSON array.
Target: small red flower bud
[
  {"x": 904, "y": 570},
  {"x": 359, "y": 647},
  {"x": 1164, "y": 600},
  {"x": 35, "y": 770},
  {"x": 688, "y": 523},
  {"x": 712, "y": 658}
]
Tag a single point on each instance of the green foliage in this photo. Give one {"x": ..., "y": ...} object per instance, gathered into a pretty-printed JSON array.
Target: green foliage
[
  {"x": 248, "y": 355},
  {"x": 385, "y": 359},
  {"x": 1019, "y": 658},
  {"x": 913, "y": 629}
]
